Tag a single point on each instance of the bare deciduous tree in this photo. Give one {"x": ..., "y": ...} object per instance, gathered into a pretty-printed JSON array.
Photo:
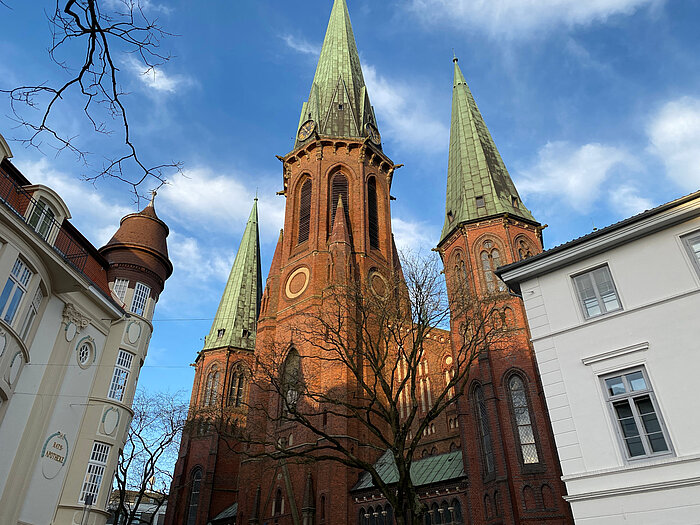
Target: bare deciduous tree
[
  {"x": 144, "y": 469},
  {"x": 107, "y": 31},
  {"x": 357, "y": 358}
]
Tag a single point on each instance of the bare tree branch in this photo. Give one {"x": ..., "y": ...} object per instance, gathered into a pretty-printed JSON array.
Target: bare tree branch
[
  {"x": 144, "y": 468},
  {"x": 105, "y": 30}
]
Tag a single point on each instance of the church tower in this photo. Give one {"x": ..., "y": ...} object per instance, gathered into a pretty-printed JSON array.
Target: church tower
[
  {"x": 209, "y": 460},
  {"x": 337, "y": 231},
  {"x": 509, "y": 451}
]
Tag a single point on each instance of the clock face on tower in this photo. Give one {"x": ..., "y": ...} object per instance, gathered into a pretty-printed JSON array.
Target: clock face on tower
[
  {"x": 373, "y": 133},
  {"x": 306, "y": 129}
]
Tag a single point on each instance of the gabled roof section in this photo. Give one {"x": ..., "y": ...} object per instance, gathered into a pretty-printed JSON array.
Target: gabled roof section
[
  {"x": 478, "y": 183},
  {"x": 236, "y": 319},
  {"x": 338, "y": 102},
  {"x": 426, "y": 471},
  {"x": 622, "y": 232}
]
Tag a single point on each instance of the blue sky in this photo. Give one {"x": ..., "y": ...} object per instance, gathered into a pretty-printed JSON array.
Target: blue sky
[{"x": 595, "y": 108}]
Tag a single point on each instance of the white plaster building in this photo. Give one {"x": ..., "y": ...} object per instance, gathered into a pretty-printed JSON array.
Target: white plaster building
[
  {"x": 74, "y": 332},
  {"x": 614, "y": 318}
]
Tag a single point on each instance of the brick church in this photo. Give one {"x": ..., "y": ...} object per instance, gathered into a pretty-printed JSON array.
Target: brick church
[{"x": 487, "y": 459}]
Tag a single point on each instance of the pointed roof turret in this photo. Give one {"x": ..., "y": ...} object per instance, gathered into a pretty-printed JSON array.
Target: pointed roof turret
[
  {"x": 236, "y": 319},
  {"x": 339, "y": 233},
  {"x": 338, "y": 104},
  {"x": 478, "y": 183}
]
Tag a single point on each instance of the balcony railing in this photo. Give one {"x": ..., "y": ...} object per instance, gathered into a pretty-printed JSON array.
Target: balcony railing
[{"x": 41, "y": 221}]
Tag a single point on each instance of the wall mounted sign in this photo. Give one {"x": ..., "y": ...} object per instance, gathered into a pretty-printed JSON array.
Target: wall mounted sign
[{"x": 54, "y": 455}]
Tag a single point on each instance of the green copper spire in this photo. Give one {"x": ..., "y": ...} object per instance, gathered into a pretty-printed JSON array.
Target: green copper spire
[
  {"x": 478, "y": 183},
  {"x": 338, "y": 103},
  {"x": 237, "y": 316}
]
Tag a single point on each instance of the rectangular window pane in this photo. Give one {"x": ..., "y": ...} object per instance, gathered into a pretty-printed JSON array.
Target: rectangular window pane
[
  {"x": 630, "y": 432},
  {"x": 14, "y": 303},
  {"x": 597, "y": 292},
  {"x": 651, "y": 423},
  {"x": 530, "y": 454},
  {"x": 120, "y": 377},
  {"x": 9, "y": 285},
  {"x": 95, "y": 471},
  {"x": 522, "y": 416},
  {"x": 636, "y": 381},
  {"x": 141, "y": 293},
  {"x": 615, "y": 386},
  {"x": 120, "y": 288}
]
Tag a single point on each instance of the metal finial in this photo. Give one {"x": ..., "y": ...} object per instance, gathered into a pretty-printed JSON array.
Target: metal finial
[{"x": 454, "y": 56}]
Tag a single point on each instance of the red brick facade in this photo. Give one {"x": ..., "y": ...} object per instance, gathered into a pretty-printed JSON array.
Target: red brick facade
[{"x": 514, "y": 490}]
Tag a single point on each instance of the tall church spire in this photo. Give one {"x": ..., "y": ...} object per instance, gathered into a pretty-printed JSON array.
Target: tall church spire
[
  {"x": 478, "y": 183},
  {"x": 338, "y": 104},
  {"x": 237, "y": 316}
]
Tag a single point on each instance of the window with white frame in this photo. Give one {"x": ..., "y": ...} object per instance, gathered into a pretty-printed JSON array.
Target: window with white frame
[
  {"x": 138, "y": 303},
  {"x": 42, "y": 219},
  {"x": 95, "y": 471},
  {"x": 120, "y": 376},
  {"x": 120, "y": 288},
  {"x": 31, "y": 313},
  {"x": 636, "y": 413},
  {"x": 14, "y": 290},
  {"x": 692, "y": 244},
  {"x": 596, "y": 292}
]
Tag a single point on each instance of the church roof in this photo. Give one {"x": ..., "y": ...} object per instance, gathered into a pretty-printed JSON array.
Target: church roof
[
  {"x": 237, "y": 316},
  {"x": 426, "y": 471},
  {"x": 478, "y": 183},
  {"x": 338, "y": 102}
]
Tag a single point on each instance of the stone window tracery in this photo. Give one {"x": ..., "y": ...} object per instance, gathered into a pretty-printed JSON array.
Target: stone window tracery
[{"x": 490, "y": 260}]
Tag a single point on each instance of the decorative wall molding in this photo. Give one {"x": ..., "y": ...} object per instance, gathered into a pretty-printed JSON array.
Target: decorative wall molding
[
  {"x": 639, "y": 347},
  {"x": 72, "y": 315}
]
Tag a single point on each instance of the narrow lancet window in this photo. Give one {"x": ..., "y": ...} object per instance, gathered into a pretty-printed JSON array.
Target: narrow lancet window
[
  {"x": 373, "y": 213},
  {"x": 304, "y": 212}
]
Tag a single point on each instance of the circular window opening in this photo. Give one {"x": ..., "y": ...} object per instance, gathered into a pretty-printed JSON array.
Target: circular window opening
[{"x": 85, "y": 355}]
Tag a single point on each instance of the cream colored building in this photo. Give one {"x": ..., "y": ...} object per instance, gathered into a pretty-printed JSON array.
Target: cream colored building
[
  {"x": 74, "y": 333},
  {"x": 614, "y": 322}
]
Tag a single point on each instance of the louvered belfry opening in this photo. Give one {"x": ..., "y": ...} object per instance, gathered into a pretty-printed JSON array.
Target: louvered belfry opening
[
  {"x": 304, "y": 212},
  {"x": 373, "y": 214},
  {"x": 339, "y": 190}
]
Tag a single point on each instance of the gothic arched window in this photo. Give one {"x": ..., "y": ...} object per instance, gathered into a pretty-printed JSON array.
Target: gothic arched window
[
  {"x": 339, "y": 190},
  {"x": 195, "y": 488},
  {"x": 524, "y": 249},
  {"x": 291, "y": 379},
  {"x": 484, "y": 430},
  {"x": 490, "y": 260},
  {"x": 372, "y": 213},
  {"x": 211, "y": 390},
  {"x": 236, "y": 392},
  {"x": 278, "y": 505},
  {"x": 304, "y": 212},
  {"x": 456, "y": 512},
  {"x": 523, "y": 423}
]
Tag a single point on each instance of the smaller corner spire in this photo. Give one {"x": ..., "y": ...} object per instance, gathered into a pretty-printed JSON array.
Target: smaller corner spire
[
  {"x": 339, "y": 233},
  {"x": 236, "y": 319}
]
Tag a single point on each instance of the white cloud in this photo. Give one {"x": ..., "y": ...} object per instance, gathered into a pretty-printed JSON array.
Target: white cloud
[
  {"x": 627, "y": 201},
  {"x": 124, "y": 6},
  {"x": 574, "y": 174},
  {"x": 674, "y": 135},
  {"x": 520, "y": 17},
  {"x": 94, "y": 215},
  {"x": 302, "y": 46},
  {"x": 402, "y": 113},
  {"x": 219, "y": 201},
  {"x": 156, "y": 78},
  {"x": 413, "y": 236}
]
